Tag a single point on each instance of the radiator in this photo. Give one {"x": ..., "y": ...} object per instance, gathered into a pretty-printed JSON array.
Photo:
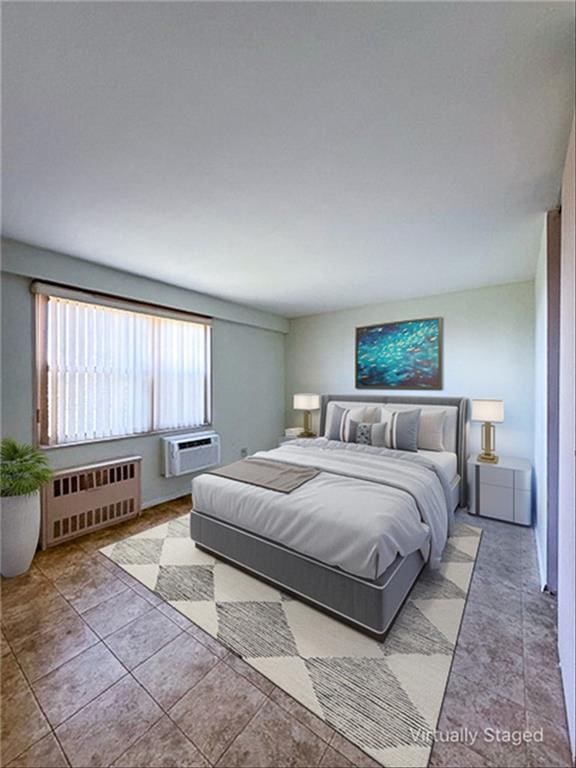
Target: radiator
[{"x": 83, "y": 499}]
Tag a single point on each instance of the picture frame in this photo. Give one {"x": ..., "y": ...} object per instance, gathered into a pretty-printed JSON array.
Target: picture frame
[{"x": 403, "y": 354}]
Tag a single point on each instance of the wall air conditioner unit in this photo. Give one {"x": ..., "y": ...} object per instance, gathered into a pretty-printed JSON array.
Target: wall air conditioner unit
[{"x": 190, "y": 453}]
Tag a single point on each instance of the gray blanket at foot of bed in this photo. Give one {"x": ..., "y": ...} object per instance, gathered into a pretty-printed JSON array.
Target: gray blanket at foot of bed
[{"x": 273, "y": 475}]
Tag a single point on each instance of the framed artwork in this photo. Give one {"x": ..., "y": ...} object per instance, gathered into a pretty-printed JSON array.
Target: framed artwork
[{"x": 402, "y": 355}]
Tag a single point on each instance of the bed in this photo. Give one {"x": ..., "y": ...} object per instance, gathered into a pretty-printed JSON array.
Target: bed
[{"x": 354, "y": 539}]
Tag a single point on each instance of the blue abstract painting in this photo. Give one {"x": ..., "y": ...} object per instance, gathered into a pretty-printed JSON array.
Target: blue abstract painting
[{"x": 403, "y": 355}]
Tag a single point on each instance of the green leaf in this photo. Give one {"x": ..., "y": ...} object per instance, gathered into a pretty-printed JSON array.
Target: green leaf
[{"x": 23, "y": 469}]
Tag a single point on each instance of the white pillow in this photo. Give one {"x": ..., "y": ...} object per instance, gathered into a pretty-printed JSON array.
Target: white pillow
[
  {"x": 372, "y": 414},
  {"x": 431, "y": 434}
]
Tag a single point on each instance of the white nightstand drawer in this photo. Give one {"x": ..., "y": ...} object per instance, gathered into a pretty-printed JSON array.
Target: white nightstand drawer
[
  {"x": 523, "y": 480},
  {"x": 497, "y": 501},
  {"x": 522, "y": 507},
  {"x": 494, "y": 475}
]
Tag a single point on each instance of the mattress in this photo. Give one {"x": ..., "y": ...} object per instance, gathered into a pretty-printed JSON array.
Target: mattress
[
  {"x": 366, "y": 507},
  {"x": 446, "y": 460}
]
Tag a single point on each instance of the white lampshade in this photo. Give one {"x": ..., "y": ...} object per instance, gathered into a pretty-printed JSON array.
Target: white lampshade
[
  {"x": 306, "y": 401},
  {"x": 488, "y": 410}
]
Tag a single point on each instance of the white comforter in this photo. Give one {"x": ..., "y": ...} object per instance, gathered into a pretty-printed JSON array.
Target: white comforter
[{"x": 365, "y": 507}]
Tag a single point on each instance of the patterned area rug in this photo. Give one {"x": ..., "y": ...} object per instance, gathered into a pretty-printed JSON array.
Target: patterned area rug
[{"x": 385, "y": 697}]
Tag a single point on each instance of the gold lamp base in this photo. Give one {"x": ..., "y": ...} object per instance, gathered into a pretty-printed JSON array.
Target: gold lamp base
[
  {"x": 488, "y": 440},
  {"x": 307, "y": 432},
  {"x": 487, "y": 458}
]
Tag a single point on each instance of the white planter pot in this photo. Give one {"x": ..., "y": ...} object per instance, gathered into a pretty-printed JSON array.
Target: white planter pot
[{"x": 20, "y": 518}]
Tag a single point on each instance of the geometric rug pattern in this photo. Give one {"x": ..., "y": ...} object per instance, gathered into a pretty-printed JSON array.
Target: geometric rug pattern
[{"x": 384, "y": 696}]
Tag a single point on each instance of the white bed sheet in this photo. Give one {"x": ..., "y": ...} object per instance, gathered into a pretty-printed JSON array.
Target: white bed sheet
[
  {"x": 365, "y": 507},
  {"x": 445, "y": 460}
]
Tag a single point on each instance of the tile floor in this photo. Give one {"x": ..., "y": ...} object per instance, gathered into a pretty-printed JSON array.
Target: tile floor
[{"x": 97, "y": 671}]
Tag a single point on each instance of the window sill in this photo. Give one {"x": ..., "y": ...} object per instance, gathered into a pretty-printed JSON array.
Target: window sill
[{"x": 96, "y": 441}]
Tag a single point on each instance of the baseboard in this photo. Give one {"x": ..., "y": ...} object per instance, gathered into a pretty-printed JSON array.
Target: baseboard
[
  {"x": 541, "y": 564},
  {"x": 164, "y": 499}
]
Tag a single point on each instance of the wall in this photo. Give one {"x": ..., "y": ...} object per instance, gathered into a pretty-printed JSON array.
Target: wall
[
  {"x": 42, "y": 264},
  {"x": 488, "y": 352},
  {"x": 540, "y": 405},
  {"x": 248, "y": 366},
  {"x": 567, "y": 446}
]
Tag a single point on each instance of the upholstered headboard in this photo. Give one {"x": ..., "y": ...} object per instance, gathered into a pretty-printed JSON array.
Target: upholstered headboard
[{"x": 455, "y": 430}]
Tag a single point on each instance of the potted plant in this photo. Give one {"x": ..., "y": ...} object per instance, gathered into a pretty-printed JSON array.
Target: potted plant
[{"x": 23, "y": 471}]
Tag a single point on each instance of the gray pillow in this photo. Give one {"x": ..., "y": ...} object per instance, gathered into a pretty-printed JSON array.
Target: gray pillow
[
  {"x": 333, "y": 432},
  {"x": 339, "y": 422},
  {"x": 402, "y": 429},
  {"x": 367, "y": 434}
]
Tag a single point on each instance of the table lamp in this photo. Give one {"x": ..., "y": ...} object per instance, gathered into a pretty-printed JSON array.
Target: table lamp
[
  {"x": 306, "y": 401},
  {"x": 488, "y": 411}
]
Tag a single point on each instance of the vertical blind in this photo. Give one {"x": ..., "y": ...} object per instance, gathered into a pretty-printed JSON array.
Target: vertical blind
[{"x": 111, "y": 372}]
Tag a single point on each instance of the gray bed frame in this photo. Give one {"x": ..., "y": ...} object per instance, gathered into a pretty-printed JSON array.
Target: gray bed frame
[{"x": 367, "y": 605}]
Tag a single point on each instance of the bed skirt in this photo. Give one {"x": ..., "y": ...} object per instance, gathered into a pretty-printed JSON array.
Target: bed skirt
[{"x": 369, "y": 605}]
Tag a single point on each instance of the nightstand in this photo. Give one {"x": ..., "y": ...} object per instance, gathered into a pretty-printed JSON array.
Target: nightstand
[{"x": 501, "y": 491}]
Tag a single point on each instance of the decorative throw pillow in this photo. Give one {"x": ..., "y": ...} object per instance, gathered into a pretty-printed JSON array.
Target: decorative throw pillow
[
  {"x": 402, "y": 428},
  {"x": 338, "y": 427},
  {"x": 333, "y": 427},
  {"x": 367, "y": 434},
  {"x": 431, "y": 434}
]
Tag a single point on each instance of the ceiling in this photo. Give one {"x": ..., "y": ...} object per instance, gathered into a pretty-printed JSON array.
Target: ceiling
[{"x": 296, "y": 157}]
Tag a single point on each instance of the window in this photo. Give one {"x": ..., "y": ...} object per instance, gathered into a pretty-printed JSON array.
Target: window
[{"x": 110, "y": 369}]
